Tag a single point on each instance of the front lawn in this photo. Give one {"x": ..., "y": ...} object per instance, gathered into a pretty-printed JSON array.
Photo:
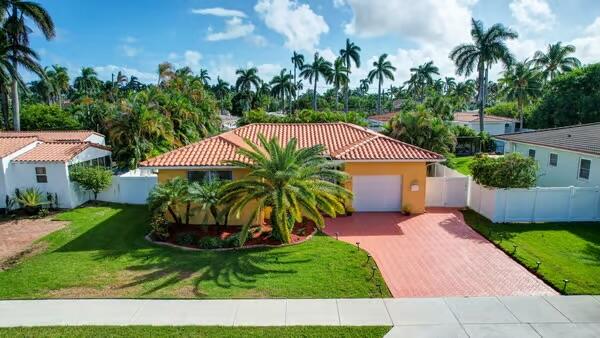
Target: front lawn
[
  {"x": 566, "y": 250},
  {"x": 103, "y": 253},
  {"x": 461, "y": 164},
  {"x": 196, "y": 331}
]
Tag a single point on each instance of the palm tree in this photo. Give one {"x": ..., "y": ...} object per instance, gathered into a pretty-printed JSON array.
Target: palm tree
[
  {"x": 488, "y": 47},
  {"x": 15, "y": 27},
  {"x": 208, "y": 196},
  {"x": 556, "y": 60},
  {"x": 351, "y": 53},
  {"x": 382, "y": 69},
  {"x": 521, "y": 83},
  {"x": 247, "y": 78},
  {"x": 364, "y": 85},
  {"x": 422, "y": 76},
  {"x": 465, "y": 92},
  {"x": 294, "y": 182},
  {"x": 221, "y": 89},
  {"x": 59, "y": 77},
  {"x": 204, "y": 76},
  {"x": 423, "y": 130},
  {"x": 282, "y": 86},
  {"x": 312, "y": 71},
  {"x": 449, "y": 84},
  {"x": 298, "y": 62},
  {"x": 88, "y": 81},
  {"x": 339, "y": 77},
  {"x": 167, "y": 197},
  {"x": 165, "y": 72}
]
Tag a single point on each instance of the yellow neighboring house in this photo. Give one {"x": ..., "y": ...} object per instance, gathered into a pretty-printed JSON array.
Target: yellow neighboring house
[{"x": 386, "y": 174}]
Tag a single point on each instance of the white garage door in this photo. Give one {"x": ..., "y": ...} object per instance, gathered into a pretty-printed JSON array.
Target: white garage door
[{"x": 377, "y": 193}]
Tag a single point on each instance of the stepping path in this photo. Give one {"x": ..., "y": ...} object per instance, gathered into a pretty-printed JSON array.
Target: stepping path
[{"x": 516, "y": 316}]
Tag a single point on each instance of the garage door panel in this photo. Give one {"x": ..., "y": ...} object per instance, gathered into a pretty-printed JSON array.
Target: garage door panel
[{"x": 377, "y": 192}]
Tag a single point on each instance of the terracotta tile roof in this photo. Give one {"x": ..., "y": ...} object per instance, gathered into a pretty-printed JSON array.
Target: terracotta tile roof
[
  {"x": 342, "y": 141},
  {"x": 56, "y": 151},
  {"x": 52, "y": 135},
  {"x": 584, "y": 138},
  {"x": 383, "y": 117},
  {"x": 473, "y": 116},
  {"x": 9, "y": 145}
]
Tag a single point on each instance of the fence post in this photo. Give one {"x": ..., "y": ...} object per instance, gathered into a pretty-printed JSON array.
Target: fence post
[
  {"x": 505, "y": 205},
  {"x": 534, "y": 204},
  {"x": 570, "y": 205},
  {"x": 597, "y": 205}
]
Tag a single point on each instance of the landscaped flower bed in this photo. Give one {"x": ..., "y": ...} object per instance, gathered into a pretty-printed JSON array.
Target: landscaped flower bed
[{"x": 211, "y": 237}]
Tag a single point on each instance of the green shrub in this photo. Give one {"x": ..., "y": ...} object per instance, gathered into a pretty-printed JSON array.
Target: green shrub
[
  {"x": 31, "y": 200},
  {"x": 47, "y": 117},
  {"x": 211, "y": 243},
  {"x": 94, "y": 179},
  {"x": 232, "y": 241},
  {"x": 160, "y": 227},
  {"x": 509, "y": 171},
  {"x": 303, "y": 116},
  {"x": 186, "y": 239}
]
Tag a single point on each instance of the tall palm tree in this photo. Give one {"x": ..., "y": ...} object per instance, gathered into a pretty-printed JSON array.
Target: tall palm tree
[
  {"x": 294, "y": 182},
  {"x": 221, "y": 89},
  {"x": 204, "y": 77},
  {"x": 59, "y": 77},
  {"x": 87, "y": 82},
  {"x": 282, "y": 86},
  {"x": 312, "y": 72},
  {"x": 350, "y": 53},
  {"x": 247, "y": 78},
  {"x": 17, "y": 11},
  {"x": 449, "y": 84},
  {"x": 421, "y": 77},
  {"x": 465, "y": 92},
  {"x": 488, "y": 47},
  {"x": 556, "y": 60},
  {"x": 339, "y": 77},
  {"x": 165, "y": 72},
  {"x": 382, "y": 69},
  {"x": 521, "y": 83},
  {"x": 298, "y": 62}
]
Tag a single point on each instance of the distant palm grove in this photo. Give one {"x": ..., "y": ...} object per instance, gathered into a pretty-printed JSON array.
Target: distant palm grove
[{"x": 550, "y": 88}]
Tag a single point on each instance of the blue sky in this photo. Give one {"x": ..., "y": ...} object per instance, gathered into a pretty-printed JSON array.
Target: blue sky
[{"x": 134, "y": 36}]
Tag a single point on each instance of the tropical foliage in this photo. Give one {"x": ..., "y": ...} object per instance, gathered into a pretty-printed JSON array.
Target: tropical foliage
[
  {"x": 94, "y": 179},
  {"x": 303, "y": 116},
  {"x": 510, "y": 171}
]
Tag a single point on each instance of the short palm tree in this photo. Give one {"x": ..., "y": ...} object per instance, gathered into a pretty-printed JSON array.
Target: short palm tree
[
  {"x": 382, "y": 69},
  {"x": 422, "y": 129},
  {"x": 521, "y": 83},
  {"x": 488, "y": 47},
  {"x": 350, "y": 53},
  {"x": 339, "y": 77},
  {"x": 556, "y": 60},
  {"x": 207, "y": 195},
  {"x": 312, "y": 71},
  {"x": 282, "y": 86},
  {"x": 294, "y": 182},
  {"x": 364, "y": 85},
  {"x": 168, "y": 197}
]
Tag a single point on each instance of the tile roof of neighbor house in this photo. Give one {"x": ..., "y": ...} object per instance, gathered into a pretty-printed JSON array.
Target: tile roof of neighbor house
[
  {"x": 52, "y": 135},
  {"x": 382, "y": 117},
  {"x": 56, "y": 151},
  {"x": 9, "y": 145},
  {"x": 584, "y": 138},
  {"x": 473, "y": 116},
  {"x": 342, "y": 141}
]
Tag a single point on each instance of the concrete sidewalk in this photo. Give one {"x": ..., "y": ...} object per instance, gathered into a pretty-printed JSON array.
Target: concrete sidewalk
[{"x": 514, "y": 316}]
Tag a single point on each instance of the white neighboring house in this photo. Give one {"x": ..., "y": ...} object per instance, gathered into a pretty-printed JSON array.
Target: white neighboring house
[
  {"x": 42, "y": 160},
  {"x": 567, "y": 156},
  {"x": 494, "y": 125}
]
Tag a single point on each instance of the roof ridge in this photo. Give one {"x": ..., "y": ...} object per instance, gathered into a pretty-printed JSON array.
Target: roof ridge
[{"x": 354, "y": 145}]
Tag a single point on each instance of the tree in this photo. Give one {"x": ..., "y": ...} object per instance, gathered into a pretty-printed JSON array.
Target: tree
[
  {"x": 91, "y": 178},
  {"x": 510, "y": 171},
  {"x": 350, "y": 53},
  {"x": 488, "y": 47},
  {"x": 521, "y": 83},
  {"x": 88, "y": 82},
  {"x": 47, "y": 117},
  {"x": 208, "y": 196},
  {"x": 364, "y": 86},
  {"x": 168, "y": 197},
  {"x": 298, "y": 62},
  {"x": 382, "y": 69},
  {"x": 556, "y": 60},
  {"x": 295, "y": 183},
  {"x": 59, "y": 78},
  {"x": 449, "y": 84},
  {"x": 569, "y": 99},
  {"x": 464, "y": 93},
  {"x": 247, "y": 78},
  {"x": 282, "y": 86},
  {"x": 423, "y": 75},
  {"x": 221, "y": 89},
  {"x": 423, "y": 130},
  {"x": 203, "y": 75},
  {"x": 339, "y": 78},
  {"x": 165, "y": 72},
  {"x": 312, "y": 72},
  {"x": 18, "y": 36}
]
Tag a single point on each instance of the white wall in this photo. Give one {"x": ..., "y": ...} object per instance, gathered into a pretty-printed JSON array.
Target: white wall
[
  {"x": 447, "y": 188},
  {"x": 566, "y": 173},
  {"x": 493, "y": 128},
  {"x": 129, "y": 188},
  {"x": 5, "y": 189},
  {"x": 98, "y": 139},
  {"x": 22, "y": 176}
]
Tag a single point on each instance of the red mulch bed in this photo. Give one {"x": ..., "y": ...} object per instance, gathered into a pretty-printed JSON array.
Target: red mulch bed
[{"x": 300, "y": 232}]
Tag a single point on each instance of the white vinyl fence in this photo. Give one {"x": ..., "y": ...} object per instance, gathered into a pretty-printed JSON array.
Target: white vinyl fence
[
  {"x": 557, "y": 204},
  {"x": 130, "y": 188},
  {"x": 446, "y": 188}
]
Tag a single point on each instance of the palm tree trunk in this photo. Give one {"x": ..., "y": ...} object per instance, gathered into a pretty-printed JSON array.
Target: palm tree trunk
[
  {"x": 346, "y": 87},
  {"x": 14, "y": 84},
  {"x": 520, "y": 103},
  {"x": 5, "y": 107},
  {"x": 315, "y": 96},
  {"x": 379, "y": 96},
  {"x": 295, "y": 89},
  {"x": 337, "y": 99},
  {"x": 481, "y": 96}
]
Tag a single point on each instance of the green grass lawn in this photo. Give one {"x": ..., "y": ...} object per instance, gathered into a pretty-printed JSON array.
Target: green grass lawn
[
  {"x": 196, "y": 331},
  {"x": 462, "y": 164},
  {"x": 103, "y": 253},
  {"x": 566, "y": 250}
]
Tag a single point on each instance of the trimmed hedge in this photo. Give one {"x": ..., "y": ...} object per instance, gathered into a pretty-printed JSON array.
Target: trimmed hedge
[{"x": 509, "y": 171}]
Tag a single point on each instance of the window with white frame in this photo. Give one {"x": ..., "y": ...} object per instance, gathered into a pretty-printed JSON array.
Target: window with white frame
[
  {"x": 532, "y": 153},
  {"x": 584, "y": 169},
  {"x": 40, "y": 175},
  {"x": 553, "y": 160},
  {"x": 211, "y": 175}
]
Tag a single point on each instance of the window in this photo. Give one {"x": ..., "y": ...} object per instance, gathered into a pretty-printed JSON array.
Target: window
[
  {"x": 584, "y": 168},
  {"x": 553, "y": 160},
  {"x": 40, "y": 175},
  {"x": 199, "y": 176},
  {"x": 532, "y": 153}
]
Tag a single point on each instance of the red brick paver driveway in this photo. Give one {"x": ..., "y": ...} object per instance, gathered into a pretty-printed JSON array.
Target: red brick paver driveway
[{"x": 436, "y": 254}]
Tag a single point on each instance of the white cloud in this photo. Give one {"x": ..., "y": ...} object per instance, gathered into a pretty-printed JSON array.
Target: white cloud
[
  {"x": 267, "y": 71},
  {"x": 339, "y": 3},
  {"x": 130, "y": 50},
  {"x": 106, "y": 72},
  {"x": 257, "y": 40},
  {"x": 191, "y": 58},
  {"x": 234, "y": 28},
  {"x": 129, "y": 39},
  {"x": 172, "y": 56},
  {"x": 301, "y": 27},
  {"x": 588, "y": 45},
  {"x": 326, "y": 53},
  {"x": 447, "y": 21},
  {"x": 534, "y": 15},
  {"x": 219, "y": 11}
]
